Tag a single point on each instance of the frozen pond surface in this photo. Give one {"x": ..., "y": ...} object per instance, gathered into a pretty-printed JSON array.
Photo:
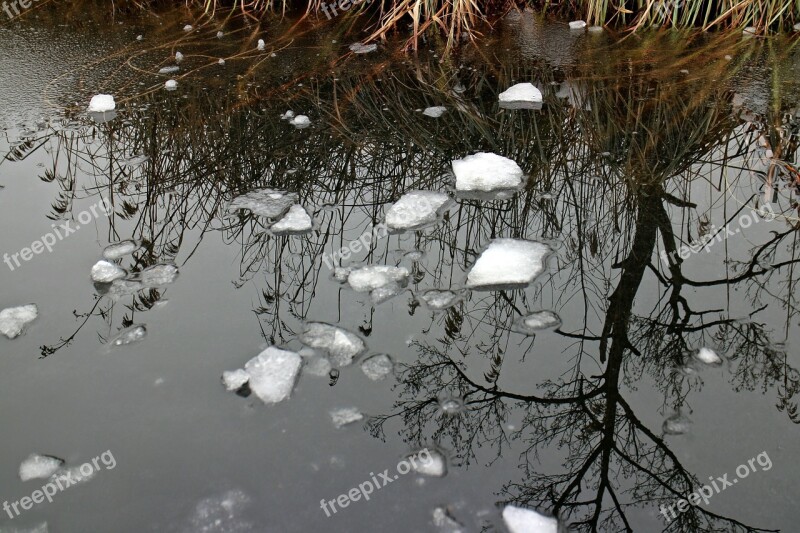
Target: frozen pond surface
[{"x": 209, "y": 292}]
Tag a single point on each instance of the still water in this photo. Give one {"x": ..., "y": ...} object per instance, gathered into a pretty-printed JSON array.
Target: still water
[{"x": 660, "y": 173}]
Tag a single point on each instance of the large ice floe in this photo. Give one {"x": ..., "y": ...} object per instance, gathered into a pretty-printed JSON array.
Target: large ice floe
[
  {"x": 39, "y": 467},
  {"x": 269, "y": 203},
  {"x": 508, "y": 263},
  {"x": 14, "y": 320},
  {"x": 381, "y": 281},
  {"x": 296, "y": 221},
  {"x": 416, "y": 210},
  {"x": 339, "y": 344},
  {"x": 535, "y": 322},
  {"x": 520, "y": 520},
  {"x": 271, "y": 375},
  {"x": 521, "y": 96},
  {"x": 487, "y": 172}
]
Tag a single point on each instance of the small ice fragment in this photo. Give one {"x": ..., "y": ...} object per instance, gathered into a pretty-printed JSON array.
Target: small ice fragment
[
  {"x": 708, "y": 356},
  {"x": 417, "y": 209},
  {"x": 345, "y": 415},
  {"x": 169, "y": 70},
  {"x": 297, "y": 220},
  {"x": 220, "y": 35},
  {"x": 797, "y": 27},
  {"x": 157, "y": 275},
  {"x": 341, "y": 345},
  {"x": 428, "y": 462},
  {"x": 446, "y": 523},
  {"x": 221, "y": 513},
  {"x": 341, "y": 274},
  {"x": 129, "y": 335},
  {"x": 140, "y": 37},
  {"x": 534, "y": 322},
  {"x": 289, "y": 114},
  {"x": 300, "y": 122},
  {"x": 595, "y": 29},
  {"x": 171, "y": 85},
  {"x": 438, "y": 300},
  {"x": 458, "y": 88},
  {"x": 317, "y": 366},
  {"x": 269, "y": 203},
  {"x": 377, "y": 367},
  {"x": 39, "y": 467},
  {"x": 451, "y": 406},
  {"x": 188, "y": 27},
  {"x": 101, "y": 103},
  {"x": 221, "y": 61},
  {"x": 508, "y": 262},
  {"x": 235, "y": 379},
  {"x": 273, "y": 374},
  {"x": 486, "y": 172},
  {"x": 262, "y": 45},
  {"x": 577, "y": 25},
  {"x": 749, "y": 31},
  {"x": 358, "y": 48},
  {"x": 519, "y": 520},
  {"x": 178, "y": 57},
  {"x": 521, "y": 92},
  {"x": 14, "y": 319},
  {"x": 120, "y": 249},
  {"x": 676, "y": 425},
  {"x": 371, "y": 277},
  {"x": 434, "y": 112},
  {"x": 124, "y": 287},
  {"x": 105, "y": 272}
]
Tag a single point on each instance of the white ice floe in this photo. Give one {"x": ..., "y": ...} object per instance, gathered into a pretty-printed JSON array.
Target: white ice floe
[
  {"x": 39, "y": 467},
  {"x": 300, "y": 122},
  {"x": 358, "y": 48},
  {"x": 345, "y": 415},
  {"x": 269, "y": 203},
  {"x": 508, "y": 262},
  {"x": 120, "y": 249},
  {"x": 140, "y": 37},
  {"x": 317, "y": 366},
  {"x": 129, "y": 335},
  {"x": 676, "y": 425},
  {"x": 171, "y": 85},
  {"x": 157, "y": 275},
  {"x": 797, "y": 27},
  {"x": 377, "y": 367},
  {"x": 707, "y": 356},
  {"x": 235, "y": 379},
  {"x": 178, "y": 57},
  {"x": 520, "y": 520},
  {"x": 341, "y": 345},
  {"x": 169, "y": 70},
  {"x": 451, "y": 406},
  {"x": 188, "y": 28},
  {"x": 288, "y": 115},
  {"x": 261, "y": 45},
  {"x": 220, "y": 35},
  {"x": 221, "y": 62},
  {"x": 486, "y": 172},
  {"x": 371, "y": 277},
  {"x": 341, "y": 274},
  {"x": 535, "y": 322},
  {"x": 124, "y": 287},
  {"x": 297, "y": 220},
  {"x": 521, "y": 92},
  {"x": 749, "y": 31},
  {"x": 434, "y": 112},
  {"x": 106, "y": 272},
  {"x": 14, "y": 319},
  {"x": 429, "y": 463},
  {"x": 417, "y": 209},
  {"x": 438, "y": 300},
  {"x": 273, "y": 374},
  {"x": 446, "y": 523},
  {"x": 577, "y": 25},
  {"x": 102, "y": 103}
]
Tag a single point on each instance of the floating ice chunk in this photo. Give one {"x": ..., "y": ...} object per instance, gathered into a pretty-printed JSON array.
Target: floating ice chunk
[
  {"x": 297, "y": 220},
  {"x": 178, "y": 57},
  {"x": 156, "y": 275},
  {"x": 358, "y": 48},
  {"x": 345, "y": 415},
  {"x": 221, "y": 514},
  {"x": 382, "y": 294},
  {"x": 417, "y": 209},
  {"x": 300, "y": 122},
  {"x": 341, "y": 345},
  {"x": 434, "y": 112},
  {"x": 446, "y": 523},
  {"x": 124, "y": 287},
  {"x": 273, "y": 374},
  {"x": 14, "y": 319},
  {"x": 289, "y": 114},
  {"x": 438, "y": 300},
  {"x": 519, "y": 520},
  {"x": 317, "y": 366},
  {"x": 508, "y": 262},
  {"x": 577, "y": 25},
  {"x": 220, "y": 35},
  {"x": 129, "y": 335},
  {"x": 797, "y": 27},
  {"x": 105, "y": 272},
  {"x": 39, "y": 467},
  {"x": 120, "y": 249},
  {"x": 39, "y": 528},
  {"x": 521, "y": 92},
  {"x": 341, "y": 274},
  {"x": 102, "y": 103},
  {"x": 676, "y": 425},
  {"x": 373, "y": 277},
  {"x": 221, "y": 62},
  {"x": 235, "y": 379},
  {"x": 595, "y": 29},
  {"x": 140, "y": 37},
  {"x": 268, "y": 203},
  {"x": 188, "y": 28},
  {"x": 486, "y": 172},
  {"x": 377, "y": 367},
  {"x": 749, "y": 31},
  {"x": 171, "y": 85},
  {"x": 451, "y": 406},
  {"x": 169, "y": 70},
  {"x": 534, "y": 322},
  {"x": 708, "y": 356},
  {"x": 262, "y": 45},
  {"x": 428, "y": 462}
]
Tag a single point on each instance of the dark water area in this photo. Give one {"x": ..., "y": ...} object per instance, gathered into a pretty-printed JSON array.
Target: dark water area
[{"x": 661, "y": 175}]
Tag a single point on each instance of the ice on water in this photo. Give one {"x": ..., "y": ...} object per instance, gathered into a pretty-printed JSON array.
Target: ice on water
[
  {"x": 14, "y": 319},
  {"x": 221, "y": 514},
  {"x": 432, "y": 463},
  {"x": 235, "y": 379},
  {"x": 345, "y": 415},
  {"x": 434, "y": 112},
  {"x": 520, "y": 520},
  {"x": 438, "y": 300},
  {"x": 120, "y": 249},
  {"x": 297, "y": 220},
  {"x": 129, "y": 335},
  {"x": 577, "y": 25},
  {"x": 273, "y": 374},
  {"x": 377, "y": 367},
  {"x": 106, "y": 272},
  {"x": 317, "y": 366},
  {"x": 169, "y": 70},
  {"x": 372, "y": 277},
  {"x": 446, "y": 523},
  {"x": 268, "y": 203},
  {"x": 39, "y": 467},
  {"x": 708, "y": 356},
  {"x": 300, "y": 121},
  {"x": 341, "y": 345},
  {"x": 416, "y": 209},
  {"x": 677, "y": 424},
  {"x": 521, "y": 92},
  {"x": 487, "y": 172},
  {"x": 530, "y": 324},
  {"x": 508, "y": 262},
  {"x": 157, "y": 275},
  {"x": 359, "y": 48},
  {"x": 101, "y": 103}
]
